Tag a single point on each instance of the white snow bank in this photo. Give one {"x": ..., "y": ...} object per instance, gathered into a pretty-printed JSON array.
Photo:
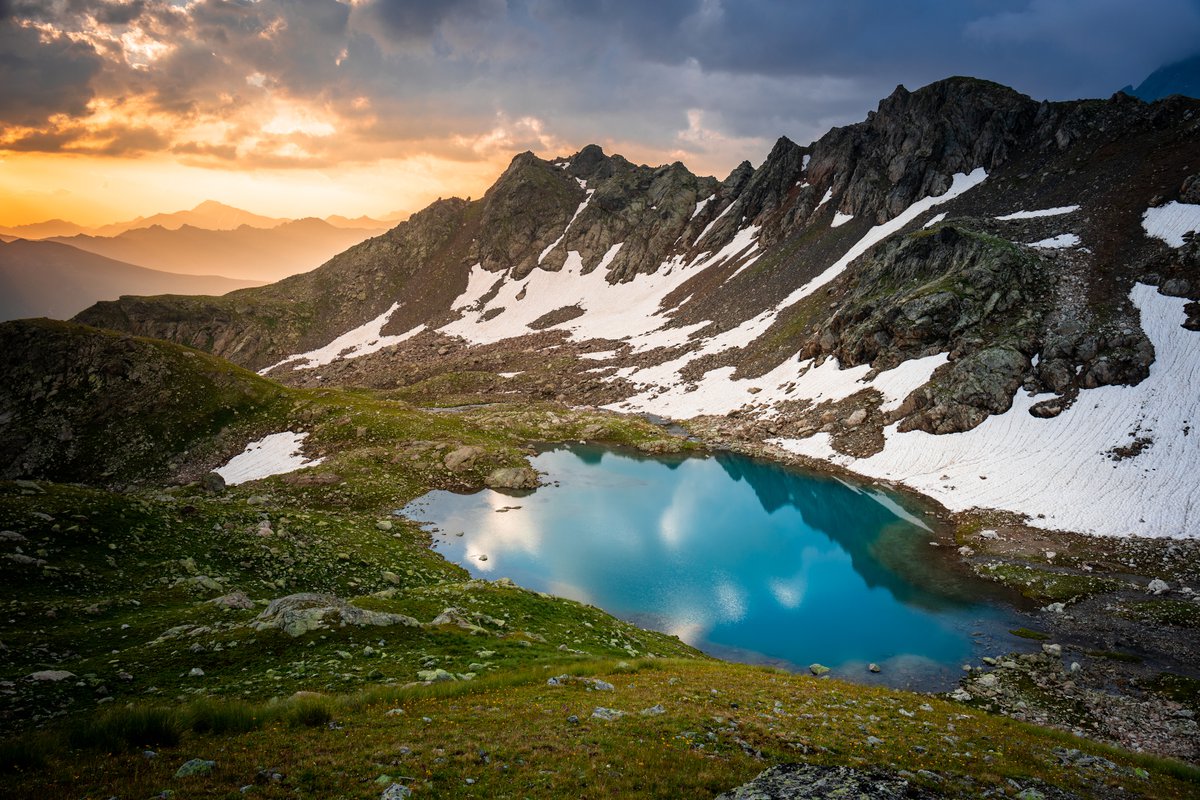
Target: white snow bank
[
  {"x": 719, "y": 393},
  {"x": 700, "y": 206},
  {"x": 1045, "y": 212},
  {"x": 840, "y": 219},
  {"x": 1171, "y": 222},
  {"x": 1063, "y": 471},
  {"x": 364, "y": 339},
  {"x": 935, "y": 220},
  {"x": 1060, "y": 242},
  {"x": 275, "y": 454}
]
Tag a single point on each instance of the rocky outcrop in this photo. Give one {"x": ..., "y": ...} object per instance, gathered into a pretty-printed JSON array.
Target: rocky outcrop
[
  {"x": 297, "y": 614},
  {"x": 804, "y": 781}
]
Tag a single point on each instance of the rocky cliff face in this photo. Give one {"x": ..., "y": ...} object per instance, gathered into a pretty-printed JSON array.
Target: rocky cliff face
[{"x": 769, "y": 267}]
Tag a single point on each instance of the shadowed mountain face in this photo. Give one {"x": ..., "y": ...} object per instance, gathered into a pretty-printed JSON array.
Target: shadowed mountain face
[
  {"x": 1181, "y": 77},
  {"x": 961, "y": 246},
  {"x": 47, "y": 279}
]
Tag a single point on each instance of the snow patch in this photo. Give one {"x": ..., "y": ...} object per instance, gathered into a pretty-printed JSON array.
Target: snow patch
[
  {"x": 828, "y": 196},
  {"x": 586, "y": 199},
  {"x": 1066, "y": 472},
  {"x": 935, "y": 220},
  {"x": 1171, "y": 222},
  {"x": 1060, "y": 242},
  {"x": 276, "y": 454},
  {"x": 1045, "y": 212},
  {"x": 363, "y": 340},
  {"x": 700, "y": 206},
  {"x": 840, "y": 219}
]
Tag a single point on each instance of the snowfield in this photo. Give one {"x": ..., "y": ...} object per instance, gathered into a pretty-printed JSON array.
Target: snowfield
[
  {"x": 1064, "y": 471},
  {"x": 276, "y": 454}
]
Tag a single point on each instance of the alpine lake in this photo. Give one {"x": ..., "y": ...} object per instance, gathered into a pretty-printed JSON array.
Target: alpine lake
[{"x": 743, "y": 559}]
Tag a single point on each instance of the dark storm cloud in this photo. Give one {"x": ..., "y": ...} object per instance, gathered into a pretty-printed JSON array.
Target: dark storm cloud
[
  {"x": 41, "y": 76},
  {"x": 420, "y": 19},
  {"x": 690, "y": 76}
]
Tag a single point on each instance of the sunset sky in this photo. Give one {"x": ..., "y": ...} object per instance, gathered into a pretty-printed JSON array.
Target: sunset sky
[{"x": 110, "y": 110}]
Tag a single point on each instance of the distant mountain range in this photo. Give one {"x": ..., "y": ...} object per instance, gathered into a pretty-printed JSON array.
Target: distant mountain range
[
  {"x": 47, "y": 279},
  {"x": 209, "y": 215},
  {"x": 244, "y": 253}
]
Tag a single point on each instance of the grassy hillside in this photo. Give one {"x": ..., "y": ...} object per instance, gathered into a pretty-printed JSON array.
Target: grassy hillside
[{"x": 139, "y": 615}]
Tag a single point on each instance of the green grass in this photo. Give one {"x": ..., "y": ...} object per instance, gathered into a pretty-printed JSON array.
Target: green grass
[
  {"x": 1046, "y": 586},
  {"x": 1026, "y": 633},
  {"x": 510, "y": 735},
  {"x": 1162, "y": 611}
]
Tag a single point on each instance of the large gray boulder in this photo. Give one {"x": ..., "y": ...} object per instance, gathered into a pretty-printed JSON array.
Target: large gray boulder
[{"x": 298, "y": 614}]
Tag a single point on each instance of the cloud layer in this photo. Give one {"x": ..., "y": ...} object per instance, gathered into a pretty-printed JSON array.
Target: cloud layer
[{"x": 319, "y": 83}]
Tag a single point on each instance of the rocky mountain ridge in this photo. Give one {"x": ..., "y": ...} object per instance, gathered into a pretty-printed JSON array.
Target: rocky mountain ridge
[{"x": 962, "y": 244}]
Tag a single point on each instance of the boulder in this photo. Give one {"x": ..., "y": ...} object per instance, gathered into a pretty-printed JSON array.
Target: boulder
[
  {"x": 297, "y": 614},
  {"x": 462, "y": 458},
  {"x": 514, "y": 478},
  {"x": 196, "y": 766},
  {"x": 51, "y": 675},
  {"x": 212, "y": 483},
  {"x": 801, "y": 781}
]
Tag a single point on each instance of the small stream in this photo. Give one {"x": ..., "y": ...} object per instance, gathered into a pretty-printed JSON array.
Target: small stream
[{"x": 744, "y": 559}]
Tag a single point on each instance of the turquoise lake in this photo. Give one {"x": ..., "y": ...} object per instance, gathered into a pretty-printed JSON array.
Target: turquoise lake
[{"x": 743, "y": 559}]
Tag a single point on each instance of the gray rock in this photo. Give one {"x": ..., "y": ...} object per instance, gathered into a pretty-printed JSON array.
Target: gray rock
[
  {"x": 818, "y": 669},
  {"x": 873, "y": 667},
  {"x": 51, "y": 675},
  {"x": 24, "y": 560},
  {"x": 233, "y": 600},
  {"x": 384, "y": 525},
  {"x": 653, "y": 711},
  {"x": 1054, "y": 650},
  {"x": 607, "y": 714},
  {"x": 1158, "y": 586},
  {"x": 462, "y": 458},
  {"x": 298, "y": 614},
  {"x": 513, "y": 478},
  {"x": 196, "y": 766},
  {"x": 212, "y": 483},
  {"x": 810, "y": 781},
  {"x": 11, "y": 536},
  {"x": 434, "y": 675}
]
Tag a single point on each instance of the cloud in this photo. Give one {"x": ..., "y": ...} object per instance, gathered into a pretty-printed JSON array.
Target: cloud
[
  {"x": 304, "y": 83},
  {"x": 43, "y": 74}
]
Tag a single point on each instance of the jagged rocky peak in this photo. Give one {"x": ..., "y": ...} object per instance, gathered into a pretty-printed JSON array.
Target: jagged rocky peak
[{"x": 916, "y": 141}]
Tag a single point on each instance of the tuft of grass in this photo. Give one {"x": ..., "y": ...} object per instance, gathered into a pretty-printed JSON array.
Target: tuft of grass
[
  {"x": 221, "y": 717},
  {"x": 1026, "y": 633},
  {"x": 309, "y": 712},
  {"x": 128, "y": 728}
]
